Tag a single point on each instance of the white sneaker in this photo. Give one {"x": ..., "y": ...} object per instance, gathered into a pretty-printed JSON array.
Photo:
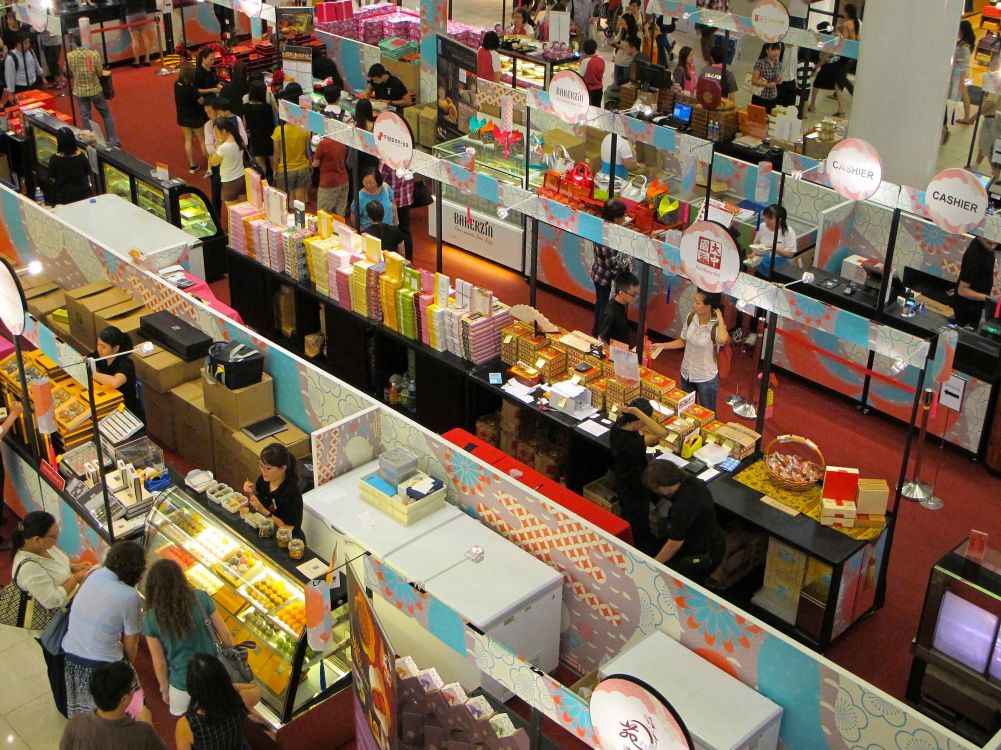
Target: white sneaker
[{"x": 751, "y": 339}]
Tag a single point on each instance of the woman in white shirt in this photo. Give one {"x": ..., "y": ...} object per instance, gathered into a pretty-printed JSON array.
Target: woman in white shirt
[
  {"x": 45, "y": 573},
  {"x": 229, "y": 156},
  {"x": 702, "y": 335},
  {"x": 772, "y": 217}
]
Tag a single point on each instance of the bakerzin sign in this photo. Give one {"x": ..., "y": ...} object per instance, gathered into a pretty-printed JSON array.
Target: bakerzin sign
[{"x": 479, "y": 226}]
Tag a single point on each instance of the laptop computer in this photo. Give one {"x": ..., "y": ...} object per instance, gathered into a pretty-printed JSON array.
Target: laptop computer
[{"x": 681, "y": 117}]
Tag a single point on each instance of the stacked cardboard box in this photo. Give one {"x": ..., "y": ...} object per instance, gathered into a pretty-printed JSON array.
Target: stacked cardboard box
[
  {"x": 739, "y": 439},
  {"x": 510, "y": 336},
  {"x": 837, "y": 513},
  {"x": 620, "y": 392},
  {"x": 871, "y": 501},
  {"x": 745, "y": 552},
  {"x": 785, "y": 568},
  {"x": 654, "y": 386}
]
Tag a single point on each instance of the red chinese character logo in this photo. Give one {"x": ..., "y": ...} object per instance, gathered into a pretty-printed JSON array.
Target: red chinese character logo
[{"x": 710, "y": 253}]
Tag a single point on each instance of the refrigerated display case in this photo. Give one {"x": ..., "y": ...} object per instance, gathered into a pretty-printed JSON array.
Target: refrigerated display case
[
  {"x": 956, "y": 670},
  {"x": 259, "y": 594},
  {"x": 489, "y": 236}
]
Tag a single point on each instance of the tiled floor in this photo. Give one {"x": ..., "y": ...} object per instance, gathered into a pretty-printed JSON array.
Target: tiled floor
[{"x": 28, "y": 718}]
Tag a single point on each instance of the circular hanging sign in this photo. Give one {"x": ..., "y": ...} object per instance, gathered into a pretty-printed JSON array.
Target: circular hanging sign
[
  {"x": 568, "y": 96},
  {"x": 854, "y": 169},
  {"x": 394, "y": 142},
  {"x": 770, "y": 20},
  {"x": 627, "y": 715},
  {"x": 12, "y": 302},
  {"x": 709, "y": 256},
  {"x": 956, "y": 200}
]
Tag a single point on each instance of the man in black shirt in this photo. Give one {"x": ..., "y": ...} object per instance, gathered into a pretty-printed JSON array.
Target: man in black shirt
[
  {"x": 695, "y": 543},
  {"x": 385, "y": 87},
  {"x": 615, "y": 323},
  {"x": 976, "y": 279},
  {"x": 390, "y": 236}
]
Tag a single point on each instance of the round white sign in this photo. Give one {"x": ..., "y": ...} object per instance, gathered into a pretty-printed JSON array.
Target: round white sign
[
  {"x": 568, "y": 96},
  {"x": 770, "y": 20},
  {"x": 956, "y": 200},
  {"x": 627, "y": 716},
  {"x": 11, "y": 299},
  {"x": 709, "y": 256},
  {"x": 855, "y": 169},
  {"x": 393, "y": 140}
]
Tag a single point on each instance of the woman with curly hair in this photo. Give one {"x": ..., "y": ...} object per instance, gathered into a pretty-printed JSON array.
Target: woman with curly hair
[{"x": 179, "y": 623}]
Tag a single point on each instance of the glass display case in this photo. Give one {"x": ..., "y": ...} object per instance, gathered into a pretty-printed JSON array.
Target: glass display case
[
  {"x": 117, "y": 182},
  {"x": 196, "y": 217},
  {"x": 45, "y": 145},
  {"x": 259, "y": 599},
  {"x": 956, "y": 672},
  {"x": 151, "y": 198},
  {"x": 526, "y": 69}
]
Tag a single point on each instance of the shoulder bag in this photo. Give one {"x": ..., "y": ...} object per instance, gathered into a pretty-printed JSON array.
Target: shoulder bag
[
  {"x": 19, "y": 609},
  {"x": 722, "y": 354},
  {"x": 234, "y": 658},
  {"x": 52, "y": 637}
]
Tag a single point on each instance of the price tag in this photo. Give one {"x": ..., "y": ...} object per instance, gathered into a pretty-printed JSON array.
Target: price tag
[
  {"x": 540, "y": 363},
  {"x": 575, "y": 380},
  {"x": 507, "y": 339},
  {"x": 768, "y": 500}
]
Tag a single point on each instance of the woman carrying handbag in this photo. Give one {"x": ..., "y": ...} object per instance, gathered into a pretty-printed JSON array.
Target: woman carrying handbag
[
  {"x": 179, "y": 622},
  {"x": 45, "y": 574}
]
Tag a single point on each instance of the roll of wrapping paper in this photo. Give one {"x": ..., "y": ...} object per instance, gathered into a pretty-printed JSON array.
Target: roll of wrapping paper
[{"x": 41, "y": 399}]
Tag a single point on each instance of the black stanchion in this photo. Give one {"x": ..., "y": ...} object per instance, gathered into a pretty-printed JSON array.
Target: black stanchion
[
  {"x": 441, "y": 230},
  {"x": 766, "y": 372},
  {"x": 641, "y": 319},
  {"x": 533, "y": 279}
]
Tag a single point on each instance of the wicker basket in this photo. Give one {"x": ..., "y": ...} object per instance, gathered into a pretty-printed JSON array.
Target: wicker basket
[{"x": 801, "y": 452}]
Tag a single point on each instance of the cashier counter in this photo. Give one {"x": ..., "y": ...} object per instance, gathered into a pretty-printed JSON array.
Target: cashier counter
[
  {"x": 978, "y": 353},
  {"x": 508, "y": 595}
]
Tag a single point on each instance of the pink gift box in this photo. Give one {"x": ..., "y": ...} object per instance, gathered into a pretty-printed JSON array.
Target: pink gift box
[{"x": 373, "y": 30}]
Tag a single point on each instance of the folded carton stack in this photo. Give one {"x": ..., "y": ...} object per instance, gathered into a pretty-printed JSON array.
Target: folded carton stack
[
  {"x": 399, "y": 490},
  {"x": 838, "y": 497},
  {"x": 372, "y": 275},
  {"x": 240, "y": 216},
  {"x": 359, "y": 293},
  {"x": 318, "y": 252},
  {"x": 785, "y": 568},
  {"x": 294, "y": 244},
  {"x": 275, "y": 248},
  {"x": 870, "y": 503},
  {"x": 344, "y": 275}
]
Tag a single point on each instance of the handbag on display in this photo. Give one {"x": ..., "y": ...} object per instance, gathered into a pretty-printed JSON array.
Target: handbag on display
[
  {"x": 580, "y": 181},
  {"x": 551, "y": 182},
  {"x": 634, "y": 191},
  {"x": 235, "y": 365},
  {"x": 668, "y": 210},
  {"x": 19, "y": 609},
  {"x": 601, "y": 182},
  {"x": 643, "y": 216},
  {"x": 560, "y": 161}
]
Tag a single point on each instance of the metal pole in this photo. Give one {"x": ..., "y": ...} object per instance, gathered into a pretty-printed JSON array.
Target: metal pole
[
  {"x": 528, "y": 150},
  {"x": 908, "y": 444},
  {"x": 611, "y": 165},
  {"x": 888, "y": 263},
  {"x": 976, "y": 127},
  {"x": 184, "y": 34},
  {"x": 503, "y": 14},
  {"x": 915, "y": 489},
  {"x": 641, "y": 315},
  {"x": 29, "y": 429},
  {"x": 867, "y": 382},
  {"x": 726, "y": 53},
  {"x": 66, "y": 64},
  {"x": 766, "y": 372},
  {"x": 709, "y": 179},
  {"x": 775, "y": 234},
  {"x": 534, "y": 270},
  {"x": 100, "y": 449},
  {"x": 288, "y": 193},
  {"x": 441, "y": 229}
]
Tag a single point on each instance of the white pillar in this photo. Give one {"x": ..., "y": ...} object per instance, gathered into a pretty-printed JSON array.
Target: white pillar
[{"x": 902, "y": 82}]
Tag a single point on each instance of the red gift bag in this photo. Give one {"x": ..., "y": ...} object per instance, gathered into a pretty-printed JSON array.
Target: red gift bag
[{"x": 580, "y": 181}]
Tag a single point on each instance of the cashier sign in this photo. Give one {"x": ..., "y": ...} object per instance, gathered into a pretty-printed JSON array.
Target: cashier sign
[
  {"x": 956, "y": 200},
  {"x": 11, "y": 300},
  {"x": 628, "y": 715},
  {"x": 709, "y": 256},
  {"x": 394, "y": 142},
  {"x": 854, "y": 169}
]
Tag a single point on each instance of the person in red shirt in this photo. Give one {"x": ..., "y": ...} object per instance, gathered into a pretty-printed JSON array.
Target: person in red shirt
[
  {"x": 592, "y": 68},
  {"x": 487, "y": 59},
  {"x": 331, "y": 158}
]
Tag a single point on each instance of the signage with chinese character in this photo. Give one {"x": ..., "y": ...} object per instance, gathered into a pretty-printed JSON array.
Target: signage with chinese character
[
  {"x": 394, "y": 141},
  {"x": 709, "y": 256},
  {"x": 770, "y": 20}
]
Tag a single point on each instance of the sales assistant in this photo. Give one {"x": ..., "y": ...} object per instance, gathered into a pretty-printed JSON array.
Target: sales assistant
[
  {"x": 975, "y": 282},
  {"x": 276, "y": 493}
]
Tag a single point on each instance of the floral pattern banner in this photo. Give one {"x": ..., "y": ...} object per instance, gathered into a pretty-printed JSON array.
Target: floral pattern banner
[{"x": 346, "y": 445}]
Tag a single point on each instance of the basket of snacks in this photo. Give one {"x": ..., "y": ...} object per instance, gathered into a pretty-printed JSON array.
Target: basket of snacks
[{"x": 794, "y": 462}]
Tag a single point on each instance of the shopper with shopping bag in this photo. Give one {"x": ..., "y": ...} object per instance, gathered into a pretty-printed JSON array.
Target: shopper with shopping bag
[{"x": 48, "y": 579}]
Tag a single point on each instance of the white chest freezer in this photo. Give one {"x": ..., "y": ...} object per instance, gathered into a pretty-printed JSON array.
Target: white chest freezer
[
  {"x": 720, "y": 711},
  {"x": 336, "y": 508},
  {"x": 508, "y": 595}
]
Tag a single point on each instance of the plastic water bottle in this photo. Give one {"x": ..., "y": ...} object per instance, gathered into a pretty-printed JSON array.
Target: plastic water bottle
[
  {"x": 39, "y": 198},
  {"x": 412, "y": 397}
]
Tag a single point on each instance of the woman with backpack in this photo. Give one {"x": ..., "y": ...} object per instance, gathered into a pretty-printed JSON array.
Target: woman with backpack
[
  {"x": 179, "y": 622},
  {"x": 702, "y": 336}
]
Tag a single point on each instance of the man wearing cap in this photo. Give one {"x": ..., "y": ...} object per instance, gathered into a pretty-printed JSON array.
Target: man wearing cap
[{"x": 385, "y": 87}]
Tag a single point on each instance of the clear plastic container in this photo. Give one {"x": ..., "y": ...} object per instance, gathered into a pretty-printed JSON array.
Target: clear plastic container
[
  {"x": 283, "y": 536},
  {"x": 266, "y": 528},
  {"x": 296, "y": 548}
]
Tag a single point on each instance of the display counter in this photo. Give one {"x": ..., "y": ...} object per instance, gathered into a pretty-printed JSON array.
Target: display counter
[
  {"x": 258, "y": 590},
  {"x": 530, "y": 69}
]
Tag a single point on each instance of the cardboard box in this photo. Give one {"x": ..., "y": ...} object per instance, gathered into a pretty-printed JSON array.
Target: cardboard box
[
  {"x": 242, "y": 406},
  {"x": 226, "y": 456},
  {"x": 124, "y": 316},
  {"x": 574, "y": 144},
  {"x": 427, "y": 135},
  {"x": 192, "y": 425},
  {"x": 159, "y": 418},
  {"x": 249, "y": 450},
  {"x": 162, "y": 371},
  {"x": 82, "y": 305},
  {"x": 44, "y": 298}
]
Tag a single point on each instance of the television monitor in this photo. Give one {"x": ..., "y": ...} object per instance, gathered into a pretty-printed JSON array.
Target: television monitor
[
  {"x": 650, "y": 76},
  {"x": 682, "y": 113},
  {"x": 965, "y": 632}
]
